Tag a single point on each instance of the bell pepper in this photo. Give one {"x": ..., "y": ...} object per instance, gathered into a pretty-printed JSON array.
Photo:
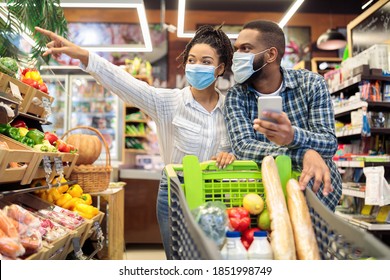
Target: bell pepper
[
  {"x": 23, "y": 131},
  {"x": 4, "y": 127},
  {"x": 86, "y": 211},
  {"x": 75, "y": 190},
  {"x": 87, "y": 198},
  {"x": 54, "y": 194},
  {"x": 71, "y": 203},
  {"x": 14, "y": 133},
  {"x": 239, "y": 218},
  {"x": 18, "y": 123},
  {"x": 36, "y": 135},
  {"x": 27, "y": 141},
  {"x": 51, "y": 137},
  {"x": 63, "y": 199},
  {"x": 63, "y": 188}
]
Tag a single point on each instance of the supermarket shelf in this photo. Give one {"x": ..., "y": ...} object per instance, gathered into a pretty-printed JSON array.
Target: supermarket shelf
[
  {"x": 354, "y": 80},
  {"x": 140, "y": 174},
  {"x": 349, "y": 163},
  {"x": 137, "y": 121},
  {"x": 365, "y": 161},
  {"x": 362, "y": 222},
  {"x": 349, "y": 132},
  {"x": 348, "y": 190},
  {"x": 341, "y": 111},
  {"x": 135, "y": 135},
  {"x": 136, "y": 151}
]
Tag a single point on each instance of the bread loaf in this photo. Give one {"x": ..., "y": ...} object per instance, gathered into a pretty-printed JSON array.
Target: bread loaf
[
  {"x": 305, "y": 239},
  {"x": 282, "y": 239}
]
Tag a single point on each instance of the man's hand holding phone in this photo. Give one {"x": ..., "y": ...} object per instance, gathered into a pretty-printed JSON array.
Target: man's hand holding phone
[{"x": 272, "y": 121}]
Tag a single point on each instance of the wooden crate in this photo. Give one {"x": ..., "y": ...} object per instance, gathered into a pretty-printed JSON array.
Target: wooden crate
[
  {"x": 32, "y": 98},
  {"x": 21, "y": 153},
  {"x": 35, "y": 168},
  {"x": 58, "y": 250},
  {"x": 89, "y": 229},
  {"x": 68, "y": 161}
]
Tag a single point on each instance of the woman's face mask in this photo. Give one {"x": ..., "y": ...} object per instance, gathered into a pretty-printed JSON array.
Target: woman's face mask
[
  {"x": 200, "y": 76},
  {"x": 243, "y": 65}
]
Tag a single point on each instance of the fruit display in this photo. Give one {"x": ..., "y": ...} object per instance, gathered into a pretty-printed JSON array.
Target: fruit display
[
  {"x": 32, "y": 77},
  {"x": 67, "y": 197}
]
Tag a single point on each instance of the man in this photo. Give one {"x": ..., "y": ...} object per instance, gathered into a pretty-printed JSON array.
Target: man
[{"x": 304, "y": 130}]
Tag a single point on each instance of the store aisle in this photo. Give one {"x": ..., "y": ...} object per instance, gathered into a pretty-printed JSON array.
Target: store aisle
[{"x": 144, "y": 252}]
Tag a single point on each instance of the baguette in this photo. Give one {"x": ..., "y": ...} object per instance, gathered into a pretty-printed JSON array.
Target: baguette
[
  {"x": 282, "y": 239},
  {"x": 305, "y": 239},
  {"x": 8, "y": 227}
]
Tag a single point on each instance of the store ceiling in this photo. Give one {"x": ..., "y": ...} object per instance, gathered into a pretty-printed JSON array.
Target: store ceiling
[{"x": 309, "y": 6}]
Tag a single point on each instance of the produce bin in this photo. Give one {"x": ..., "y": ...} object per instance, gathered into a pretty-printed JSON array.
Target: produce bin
[
  {"x": 204, "y": 182},
  {"x": 32, "y": 99}
]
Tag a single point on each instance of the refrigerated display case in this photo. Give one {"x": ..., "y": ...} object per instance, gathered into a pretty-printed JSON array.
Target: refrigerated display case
[{"x": 81, "y": 101}]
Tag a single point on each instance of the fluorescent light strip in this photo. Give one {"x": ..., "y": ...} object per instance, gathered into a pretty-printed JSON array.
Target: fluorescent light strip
[
  {"x": 181, "y": 18},
  {"x": 294, "y": 7},
  {"x": 120, "y": 4},
  {"x": 366, "y": 5},
  {"x": 138, "y": 4}
]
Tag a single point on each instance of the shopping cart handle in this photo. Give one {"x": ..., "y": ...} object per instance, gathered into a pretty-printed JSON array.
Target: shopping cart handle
[{"x": 236, "y": 165}]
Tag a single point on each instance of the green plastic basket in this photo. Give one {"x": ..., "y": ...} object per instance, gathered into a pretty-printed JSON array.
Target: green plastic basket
[{"x": 205, "y": 182}]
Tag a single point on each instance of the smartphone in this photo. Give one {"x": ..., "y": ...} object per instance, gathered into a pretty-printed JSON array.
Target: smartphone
[{"x": 270, "y": 104}]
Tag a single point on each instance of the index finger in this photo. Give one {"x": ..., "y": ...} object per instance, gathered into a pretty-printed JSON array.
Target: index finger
[
  {"x": 327, "y": 184},
  {"x": 48, "y": 33}
]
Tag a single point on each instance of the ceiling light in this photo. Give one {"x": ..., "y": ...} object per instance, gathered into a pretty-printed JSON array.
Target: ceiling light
[
  {"x": 331, "y": 40},
  {"x": 117, "y": 4},
  {"x": 291, "y": 11},
  {"x": 181, "y": 19}
]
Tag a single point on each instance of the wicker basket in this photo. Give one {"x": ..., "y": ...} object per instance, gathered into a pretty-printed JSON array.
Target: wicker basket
[{"x": 92, "y": 178}]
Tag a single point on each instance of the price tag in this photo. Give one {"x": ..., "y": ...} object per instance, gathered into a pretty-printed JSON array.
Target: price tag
[
  {"x": 46, "y": 106},
  {"x": 58, "y": 165},
  {"x": 48, "y": 169},
  {"x": 15, "y": 91}
]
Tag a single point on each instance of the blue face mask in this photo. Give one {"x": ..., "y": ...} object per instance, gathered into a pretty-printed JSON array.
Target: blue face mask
[
  {"x": 242, "y": 66},
  {"x": 200, "y": 76}
]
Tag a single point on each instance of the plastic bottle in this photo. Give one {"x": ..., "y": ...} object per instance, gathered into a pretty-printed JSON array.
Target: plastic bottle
[
  {"x": 233, "y": 248},
  {"x": 260, "y": 248}
]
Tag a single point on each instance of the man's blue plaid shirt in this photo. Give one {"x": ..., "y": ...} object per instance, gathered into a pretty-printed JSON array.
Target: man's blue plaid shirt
[{"x": 307, "y": 102}]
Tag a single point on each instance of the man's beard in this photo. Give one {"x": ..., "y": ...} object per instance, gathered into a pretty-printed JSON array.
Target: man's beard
[{"x": 256, "y": 65}]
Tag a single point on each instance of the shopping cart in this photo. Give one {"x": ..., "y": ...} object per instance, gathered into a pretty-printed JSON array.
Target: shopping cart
[{"x": 204, "y": 182}]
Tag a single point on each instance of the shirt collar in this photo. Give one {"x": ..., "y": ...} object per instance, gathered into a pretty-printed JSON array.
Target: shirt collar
[
  {"x": 189, "y": 99},
  {"x": 289, "y": 81}
]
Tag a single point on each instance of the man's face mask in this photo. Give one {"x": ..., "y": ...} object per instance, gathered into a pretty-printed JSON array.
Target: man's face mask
[
  {"x": 243, "y": 65},
  {"x": 200, "y": 76}
]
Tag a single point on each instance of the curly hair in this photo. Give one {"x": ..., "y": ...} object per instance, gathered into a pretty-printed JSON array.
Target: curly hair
[{"x": 215, "y": 38}]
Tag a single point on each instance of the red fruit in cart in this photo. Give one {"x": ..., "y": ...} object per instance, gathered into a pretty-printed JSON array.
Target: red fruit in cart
[
  {"x": 247, "y": 236},
  {"x": 51, "y": 137},
  {"x": 43, "y": 88},
  {"x": 238, "y": 218}
]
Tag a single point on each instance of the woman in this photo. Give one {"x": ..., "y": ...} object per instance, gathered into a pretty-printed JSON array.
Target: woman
[{"x": 189, "y": 120}]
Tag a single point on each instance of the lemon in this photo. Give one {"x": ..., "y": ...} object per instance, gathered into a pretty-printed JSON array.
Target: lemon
[
  {"x": 263, "y": 220},
  {"x": 253, "y": 203}
]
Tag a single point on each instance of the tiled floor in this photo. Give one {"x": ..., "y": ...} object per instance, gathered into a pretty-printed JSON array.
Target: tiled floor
[{"x": 144, "y": 252}]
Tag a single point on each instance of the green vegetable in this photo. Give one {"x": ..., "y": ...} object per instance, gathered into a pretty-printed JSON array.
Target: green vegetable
[
  {"x": 8, "y": 66},
  {"x": 27, "y": 141},
  {"x": 36, "y": 135},
  {"x": 13, "y": 132},
  {"x": 41, "y": 148},
  {"x": 4, "y": 128}
]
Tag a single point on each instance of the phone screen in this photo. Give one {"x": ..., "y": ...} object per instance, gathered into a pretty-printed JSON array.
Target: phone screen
[{"x": 269, "y": 104}]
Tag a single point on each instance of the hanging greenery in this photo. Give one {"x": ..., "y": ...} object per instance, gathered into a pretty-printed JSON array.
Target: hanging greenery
[{"x": 22, "y": 17}]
